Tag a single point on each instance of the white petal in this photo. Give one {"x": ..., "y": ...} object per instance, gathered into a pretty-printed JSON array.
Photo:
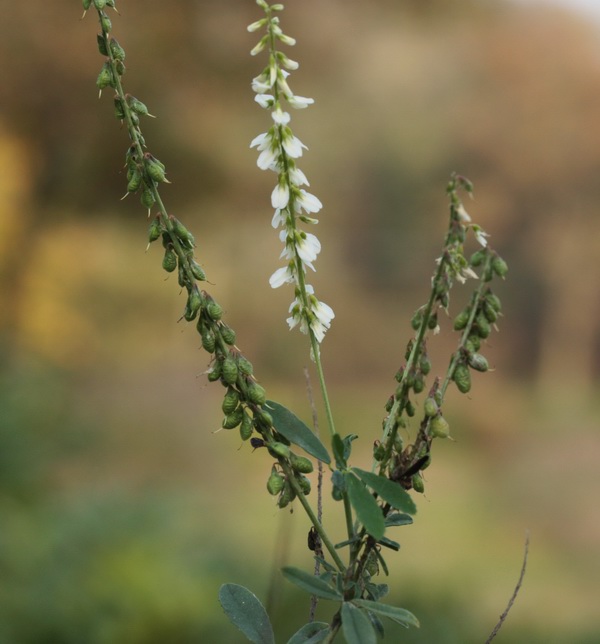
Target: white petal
[
  {"x": 264, "y": 100},
  {"x": 281, "y": 276},
  {"x": 280, "y": 195},
  {"x": 308, "y": 202},
  {"x": 267, "y": 159},
  {"x": 299, "y": 102},
  {"x": 259, "y": 140},
  {"x": 278, "y": 219},
  {"x": 280, "y": 117},
  {"x": 293, "y": 146},
  {"x": 297, "y": 177}
]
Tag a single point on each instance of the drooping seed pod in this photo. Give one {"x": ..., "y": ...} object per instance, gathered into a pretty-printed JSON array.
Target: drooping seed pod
[
  {"x": 147, "y": 199},
  {"x": 194, "y": 302},
  {"x": 229, "y": 371},
  {"x": 494, "y": 301},
  {"x": 228, "y": 335},
  {"x": 137, "y": 106},
  {"x": 246, "y": 428},
  {"x": 214, "y": 373},
  {"x": 233, "y": 419},
  {"x": 105, "y": 77},
  {"x": 483, "y": 326},
  {"x": 461, "y": 320},
  {"x": 416, "y": 319},
  {"x": 102, "y": 45},
  {"x": 417, "y": 483},
  {"x": 430, "y": 407},
  {"x": 105, "y": 23},
  {"x": 120, "y": 67},
  {"x": 87, "y": 4},
  {"x": 135, "y": 180},
  {"x": 154, "y": 168},
  {"x": 398, "y": 443},
  {"x": 256, "y": 394},
  {"x": 99, "y": 4},
  {"x": 473, "y": 343},
  {"x": 287, "y": 495},
  {"x": 499, "y": 266},
  {"x": 490, "y": 312},
  {"x": 477, "y": 257},
  {"x": 197, "y": 271},
  {"x": 154, "y": 230},
  {"x": 462, "y": 377},
  {"x": 304, "y": 484},
  {"x": 279, "y": 450},
  {"x": 301, "y": 463},
  {"x": 419, "y": 383},
  {"x": 439, "y": 427},
  {"x": 119, "y": 110},
  {"x": 275, "y": 482},
  {"x": 169, "y": 262},
  {"x": 245, "y": 366},
  {"x": 425, "y": 364},
  {"x": 135, "y": 119},
  {"x": 184, "y": 235},
  {"x": 378, "y": 451},
  {"x": 478, "y": 362},
  {"x": 118, "y": 53},
  {"x": 432, "y": 322},
  {"x": 264, "y": 419},
  {"x": 410, "y": 409},
  {"x": 208, "y": 340},
  {"x": 230, "y": 400},
  {"x": 214, "y": 310}
]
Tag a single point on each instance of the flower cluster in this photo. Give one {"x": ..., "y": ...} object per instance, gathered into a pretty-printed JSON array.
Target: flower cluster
[{"x": 278, "y": 151}]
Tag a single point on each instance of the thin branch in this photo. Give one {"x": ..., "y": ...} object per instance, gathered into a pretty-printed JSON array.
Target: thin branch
[{"x": 515, "y": 592}]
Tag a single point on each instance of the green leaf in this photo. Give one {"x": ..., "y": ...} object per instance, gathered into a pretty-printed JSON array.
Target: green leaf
[
  {"x": 310, "y": 633},
  {"x": 338, "y": 451},
  {"x": 389, "y": 491},
  {"x": 290, "y": 426},
  {"x": 356, "y": 626},
  {"x": 397, "y": 519},
  {"x": 311, "y": 584},
  {"x": 367, "y": 510},
  {"x": 388, "y": 543},
  {"x": 245, "y": 611},
  {"x": 398, "y": 615}
]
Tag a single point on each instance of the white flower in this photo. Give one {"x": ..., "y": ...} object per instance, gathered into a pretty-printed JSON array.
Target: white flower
[
  {"x": 288, "y": 63},
  {"x": 278, "y": 218},
  {"x": 463, "y": 215},
  {"x": 293, "y": 145},
  {"x": 261, "y": 141},
  {"x": 299, "y": 102},
  {"x": 287, "y": 40},
  {"x": 259, "y": 46},
  {"x": 280, "y": 195},
  {"x": 297, "y": 177},
  {"x": 308, "y": 247},
  {"x": 257, "y": 25},
  {"x": 307, "y": 202},
  {"x": 267, "y": 159},
  {"x": 280, "y": 117},
  {"x": 261, "y": 84},
  {"x": 265, "y": 100},
  {"x": 480, "y": 236},
  {"x": 323, "y": 312},
  {"x": 281, "y": 276}
]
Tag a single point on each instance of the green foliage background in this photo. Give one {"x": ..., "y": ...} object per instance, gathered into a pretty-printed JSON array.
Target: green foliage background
[{"x": 121, "y": 510}]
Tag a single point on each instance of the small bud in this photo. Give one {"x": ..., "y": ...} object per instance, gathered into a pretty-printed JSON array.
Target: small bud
[
  {"x": 490, "y": 312},
  {"x": 105, "y": 22},
  {"x": 432, "y": 321},
  {"x": 419, "y": 383},
  {"x": 147, "y": 198},
  {"x": 245, "y": 366},
  {"x": 439, "y": 428},
  {"x": 378, "y": 451},
  {"x": 119, "y": 111},
  {"x": 135, "y": 181},
  {"x": 462, "y": 378},
  {"x": 182, "y": 232},
  {"x": 494, "y": 301},
  {"x": 155, "y": 169},
  {"x": 105, "y": 77},
  {"x": 287, "y": 495},
  {"x": 137, "y": 106},
  {"x": 304, "y": 484},
  {"x": 425, "y": 364},
  {"x": 483, "y": 326},
  {"x": 416, "y": 319},
  {"x": 214, "y": 373},
  {"x": 264, "y": 418},
  {"x": 477, "y": 257}
]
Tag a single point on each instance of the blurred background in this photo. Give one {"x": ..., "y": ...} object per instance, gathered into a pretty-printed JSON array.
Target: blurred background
[{"x": 122, "y": 510}]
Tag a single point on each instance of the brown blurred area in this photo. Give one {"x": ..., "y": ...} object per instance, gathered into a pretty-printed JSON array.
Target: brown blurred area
[{"x": 122, "y": 511}]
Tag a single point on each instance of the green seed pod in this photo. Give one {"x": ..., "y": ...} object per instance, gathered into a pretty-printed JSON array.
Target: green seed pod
[
  {"x": 197, "y": 271},
  {"x": 439, "y": 428},
  {"x": 119, "y": 111},
  {"x": 372, "y": 564},
  {"x": 182, "y": 232},
  {"x": 234, "y": 419},
  {"x": 246, "y": 428},
  {"x": 110, "y": 3},
  {"x": 120, "y": 67},
  {"x": 194, "y": 302},
  {"x": 398, "y": 443},
  {"x": 419, "y": 383},
  {"x": 147, "y": 198},
  {"x": 208, "y": 341},
  {"x": 478, "y": 362},
  {"x": 488, "y": 273},
  {"x": 154, "y": 169},
  {"x": 105, "y": 77},
  {"x": 430, "y": 407},
  {"x": 105, "y": 23},
  {"x": 101, "y": 45},
  {"x": 99, "y": 4},
  {"x": 87, "y": 4},
  {"x": 494, "y": 301},
  {"x": 304, "y": 484},
  {"x": 416, "y": 319},
  {"x": 169, "y": 260},
  {"x": 499, "y": 266},
  {"x": 462, "y": 378},
  {"x": 477, "y": 257},
  {"x": 409, "y": 348},
  {"x": 410, "y": 409},
  {"x": 264, "y": 418},
  {"x": 437, "y": 396},
  {"x": 378, "y": 451},
  {"x": 287, "y": 495},
  {"x": 425, "y": 364},
  {"x": 279, "y": 450},
  {"x": 214, "y": 310},
  {"x": 135, "y": 119},
  {"x": 228, "y": 335},
  {"x": 135, "y": 181},
  {"x": 418, "y": 483},
  {"x": 229, "y": 371},
  {"x": 154, "y": 230},
  {"x": 245, "y": 366},
  {"x": 483, "y": 326},
  {"x": 214, "y": 373},
  {"x": 275, "y": 482},
  {"x": 432, "y": 322},
  {"x": 118, "y": 53},
  {"x": 490, "y": 312},
  {"x": 256, "y": 394},
  {"x": 461, "y": 320},
  {"x": 230, "y": 401},
  {"x": 301, "y": 464},
  {"x": 473, "y": 343},
  {"x": 137, "y": 106}
]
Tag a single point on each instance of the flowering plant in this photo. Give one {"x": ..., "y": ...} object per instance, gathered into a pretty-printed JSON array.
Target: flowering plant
[{"x": 375, "y": 501}]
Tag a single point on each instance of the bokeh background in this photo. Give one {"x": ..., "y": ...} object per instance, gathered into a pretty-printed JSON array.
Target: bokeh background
[{"x": 122, "y": 511}]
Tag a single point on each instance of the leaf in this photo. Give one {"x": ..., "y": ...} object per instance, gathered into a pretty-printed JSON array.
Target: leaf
[
  {"x": 356, "y": 626},
  {"x": 398, "y": 615},
  {"x": 367, "y": 510},
  {"x": 290, "y": 426},
  {"x": 245, "y": 611},
  {"x": 310, "y": 583},
  {"x": 337, "y": 445},
  {"x": 397, "y": 519},
  {"x": 388, "y": 543},
  {"x": 389, "y": 491},
  {"x": 310, "y": 633}
]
